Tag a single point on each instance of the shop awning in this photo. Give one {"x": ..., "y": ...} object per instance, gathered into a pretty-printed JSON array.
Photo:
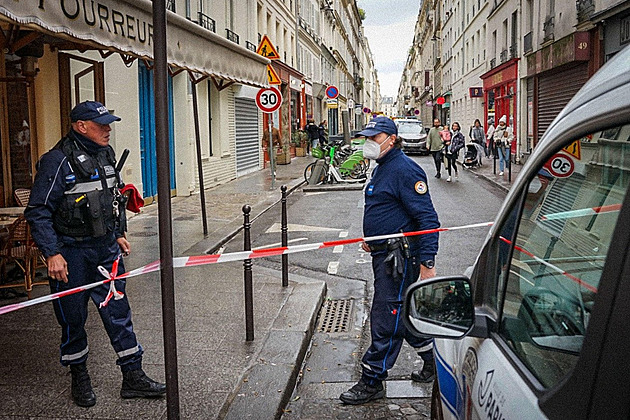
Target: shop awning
[{"x": 125, "y": 26}]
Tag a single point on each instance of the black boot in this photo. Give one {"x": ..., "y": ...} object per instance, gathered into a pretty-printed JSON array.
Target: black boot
[
  {"x": 136, "y": 384},
  {"x": 362, "y": 393},
  {"x": 427, "y": 374},
  {"x": 82, "y": 393}
]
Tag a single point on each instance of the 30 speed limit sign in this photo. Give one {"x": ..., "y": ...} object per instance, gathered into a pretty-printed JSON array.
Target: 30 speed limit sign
[
  {"x": 268, "y": 99},
  {"x": 560, "y": 166}
]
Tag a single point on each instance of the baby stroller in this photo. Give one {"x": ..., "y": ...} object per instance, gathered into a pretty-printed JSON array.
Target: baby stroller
[{"x": 471, "y": 158}]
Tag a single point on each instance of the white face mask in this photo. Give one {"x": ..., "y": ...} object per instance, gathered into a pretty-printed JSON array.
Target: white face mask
[{"x": 372, "y": 150}]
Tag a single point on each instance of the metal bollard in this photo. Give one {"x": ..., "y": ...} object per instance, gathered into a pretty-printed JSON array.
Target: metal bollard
[
  {"x": 285, "y": 238},
  {"x": 247, "y": 275}
]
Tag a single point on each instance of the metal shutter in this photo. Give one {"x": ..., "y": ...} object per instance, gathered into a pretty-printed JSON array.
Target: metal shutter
[
  {"x": 247, "y": 149},
  {"x": 555, "y": 91}
]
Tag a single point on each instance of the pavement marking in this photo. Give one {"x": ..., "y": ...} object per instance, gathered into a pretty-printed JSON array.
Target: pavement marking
[
  {"x": 290, "y": 241},
  {"x": 220, "y": 251},
  {"x": 277, "y": 227},
  {"x": 362, "y": 261},
  {"x": 338, "y": 249},
  {"x": 333, "y": 266},
  {"x": 343, "y": 234},
  {"x": 316, "y": 192}
]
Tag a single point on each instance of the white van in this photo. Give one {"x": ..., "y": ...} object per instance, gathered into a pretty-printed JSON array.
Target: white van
[{"x": 541, "y": 326}]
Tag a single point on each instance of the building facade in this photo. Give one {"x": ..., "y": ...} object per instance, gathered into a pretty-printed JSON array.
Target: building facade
[
  {"x": 56, "y": 54},
  {"x": 524, "y": 59}
]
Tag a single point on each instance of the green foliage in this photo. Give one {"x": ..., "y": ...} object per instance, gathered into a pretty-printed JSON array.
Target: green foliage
[{"x": 361, "y": 13}]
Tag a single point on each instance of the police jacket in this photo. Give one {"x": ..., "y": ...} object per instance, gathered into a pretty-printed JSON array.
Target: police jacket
[
  {"x": 397, "y": 198},
  {"x": 75, "y": 196}
]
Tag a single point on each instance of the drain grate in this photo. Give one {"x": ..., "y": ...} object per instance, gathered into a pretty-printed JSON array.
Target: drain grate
[{"x": 336, "y": 316}]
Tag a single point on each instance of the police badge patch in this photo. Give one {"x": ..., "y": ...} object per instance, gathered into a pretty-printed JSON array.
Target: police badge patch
[{"x": 421, "y": 187}]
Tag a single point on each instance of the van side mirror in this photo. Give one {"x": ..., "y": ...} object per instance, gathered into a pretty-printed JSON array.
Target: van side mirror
[{"x": 441, "y": 307}]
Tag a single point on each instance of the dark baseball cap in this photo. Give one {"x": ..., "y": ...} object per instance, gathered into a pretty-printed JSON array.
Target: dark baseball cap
[
  {"x": 92, "y": 111},
  {"x": 379, "y": 125}
]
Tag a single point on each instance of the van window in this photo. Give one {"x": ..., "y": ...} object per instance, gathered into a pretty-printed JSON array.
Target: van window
[{"x": 569, "y": 215}]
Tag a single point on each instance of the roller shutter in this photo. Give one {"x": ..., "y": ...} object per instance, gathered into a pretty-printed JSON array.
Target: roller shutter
[
  {"x": 555, "y": 90},
  {"x": 247, "y": 145}
]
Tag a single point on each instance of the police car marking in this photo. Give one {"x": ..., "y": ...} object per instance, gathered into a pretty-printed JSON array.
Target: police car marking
[{"x": 421, "y": 187}]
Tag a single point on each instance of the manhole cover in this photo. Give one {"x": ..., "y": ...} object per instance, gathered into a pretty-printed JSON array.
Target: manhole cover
[
  {"x": 143, "y": 234},
  {"x": 336, "y": 316}
]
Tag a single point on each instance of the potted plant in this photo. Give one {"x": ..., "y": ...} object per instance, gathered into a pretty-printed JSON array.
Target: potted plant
[
  {"x": 300, "y": 139},
  {"x": 284, "y": 155}
]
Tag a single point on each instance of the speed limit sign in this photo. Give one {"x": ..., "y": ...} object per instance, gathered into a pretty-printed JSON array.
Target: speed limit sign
[
  {"x": 268, "y": 99},
  {"x": 560, "y": 166}
]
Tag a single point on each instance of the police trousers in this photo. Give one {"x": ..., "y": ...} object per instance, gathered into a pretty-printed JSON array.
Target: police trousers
[
  {"x": 387, "y": 327},
  {"x": 72, "y": 310}
]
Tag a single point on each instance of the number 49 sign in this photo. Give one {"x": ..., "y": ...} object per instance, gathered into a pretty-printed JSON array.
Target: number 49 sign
[{"x": 268, "y": 99}]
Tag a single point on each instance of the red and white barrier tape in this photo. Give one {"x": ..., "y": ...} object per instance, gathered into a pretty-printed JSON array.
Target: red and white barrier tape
[
  {"x": 582, "y": 212},
  {"x": 221, "y": 258}
]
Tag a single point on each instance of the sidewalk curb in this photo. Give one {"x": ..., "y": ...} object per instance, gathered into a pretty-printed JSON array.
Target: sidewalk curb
[
  {"x": 206, "y": 247},
  {"x": 267, "y": 385}
]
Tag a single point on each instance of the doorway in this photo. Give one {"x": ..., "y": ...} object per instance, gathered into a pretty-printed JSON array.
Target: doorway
[{"x": 148, "y": 155}]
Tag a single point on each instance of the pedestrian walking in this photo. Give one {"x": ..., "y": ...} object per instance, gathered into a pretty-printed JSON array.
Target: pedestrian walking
[
  {"x": 397, "y": 199},
  {"x": 276, "y": 137},
  {"x": 489, "y": 142},
  {"x": 77, "y": 218},
  {"x": 502, "y": 139},
  {"x": 456, "y": 143},
  {"x": 313, "y": 135},
  {"x": 435, "y": 146},
  {"x": 478, "y": 138},
  {"x": 323, "y": 132}
]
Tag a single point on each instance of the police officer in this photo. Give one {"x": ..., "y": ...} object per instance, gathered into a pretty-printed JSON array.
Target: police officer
[
  {"x": 396, "y": 199},
  {"x": 77, "y": 217}
]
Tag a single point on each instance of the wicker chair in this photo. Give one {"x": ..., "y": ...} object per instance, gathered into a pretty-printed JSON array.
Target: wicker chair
[
  {"x": 20, "y": 249},
  {"x": 22, "y": 196}
]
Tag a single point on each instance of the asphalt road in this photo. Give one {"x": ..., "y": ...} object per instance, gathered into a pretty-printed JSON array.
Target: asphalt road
[{"x": 332, "y": 364}]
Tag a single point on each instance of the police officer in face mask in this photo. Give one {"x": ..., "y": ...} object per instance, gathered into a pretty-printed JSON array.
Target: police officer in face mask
[
  {"x": 77, "y": 218},
  {"x": 397, "y": 199}
]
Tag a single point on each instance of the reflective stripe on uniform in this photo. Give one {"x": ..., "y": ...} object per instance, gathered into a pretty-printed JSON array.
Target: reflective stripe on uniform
[
  {"x": 85, "y": 187},
  {"x": 75, "y": 356},
  {"x": 128, "y": 352}
]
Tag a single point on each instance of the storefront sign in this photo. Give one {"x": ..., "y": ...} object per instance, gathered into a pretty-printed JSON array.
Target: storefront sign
[
  {"x": 440, "y": 100},
  {"x": 126, "y": 26}
]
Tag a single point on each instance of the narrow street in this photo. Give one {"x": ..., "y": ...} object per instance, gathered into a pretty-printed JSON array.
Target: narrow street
[{"x": 332, "y": 363}]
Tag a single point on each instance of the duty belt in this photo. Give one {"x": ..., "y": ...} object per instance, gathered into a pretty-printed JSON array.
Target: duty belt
[{"x": 391, "y": 244}]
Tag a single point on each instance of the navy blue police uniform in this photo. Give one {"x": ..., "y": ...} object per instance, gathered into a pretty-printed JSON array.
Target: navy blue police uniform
[
  {"x": 75, "y": 210},
  {"x": 397, "y": 199}
]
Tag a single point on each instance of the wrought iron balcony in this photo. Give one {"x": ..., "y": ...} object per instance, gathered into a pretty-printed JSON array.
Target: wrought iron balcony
[
  {"x": 527, "y": 43},
  {"x": 513, "y": 51},
  {"x": 232, "y": 36},
  {"x": 250, "y": 46},
  {"x": 170, "y": 5},
  {"x": 585, "y": 9},
  {"x": 504, "y": 56},
  {"x": 548, "y": 28},
  {"x": 206, "y": 22},
  {"x": 493, "y": 63}
]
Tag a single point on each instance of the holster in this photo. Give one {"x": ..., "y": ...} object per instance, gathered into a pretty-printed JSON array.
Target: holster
[{"x": 96, "y": 213}]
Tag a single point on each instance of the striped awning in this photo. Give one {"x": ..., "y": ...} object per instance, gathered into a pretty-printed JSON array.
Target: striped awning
[{"x": 125, "y": 26}]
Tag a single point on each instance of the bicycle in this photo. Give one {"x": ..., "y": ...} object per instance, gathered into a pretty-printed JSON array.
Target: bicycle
[{"x": 341, "y": 164}]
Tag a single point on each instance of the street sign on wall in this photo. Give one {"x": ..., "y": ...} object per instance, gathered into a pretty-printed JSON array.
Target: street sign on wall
[{"x": 268, "y": 99}]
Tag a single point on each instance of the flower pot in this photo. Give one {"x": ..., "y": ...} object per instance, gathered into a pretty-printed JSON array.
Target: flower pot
[{"x": 300, "y": 151}]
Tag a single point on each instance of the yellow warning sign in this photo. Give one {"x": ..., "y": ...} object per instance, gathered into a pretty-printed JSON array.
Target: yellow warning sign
[
  {"x": 266, "y": 49},
  {"x": 272, "y": 76},
  {"x": 574, "y": 149}
]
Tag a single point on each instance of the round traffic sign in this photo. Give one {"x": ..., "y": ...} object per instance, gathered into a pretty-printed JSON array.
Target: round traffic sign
[
  {"x": 332, "y": 92},
  {"x": 560, "y": 165},
  {"x": 268, "y": 99}
]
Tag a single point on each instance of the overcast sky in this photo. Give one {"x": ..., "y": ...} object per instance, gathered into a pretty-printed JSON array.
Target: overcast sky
[{"x": 389, "y": 26}]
